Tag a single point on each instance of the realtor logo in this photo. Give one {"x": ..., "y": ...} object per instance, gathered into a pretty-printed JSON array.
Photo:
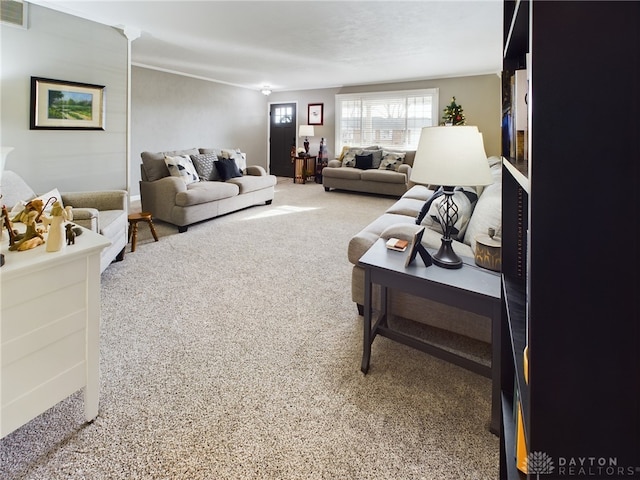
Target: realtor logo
[{"x": 539, "y": 463}]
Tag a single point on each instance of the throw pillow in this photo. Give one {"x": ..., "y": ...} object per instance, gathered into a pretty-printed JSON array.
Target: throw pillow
[
  {"x": 364, "y": 162},
  {"x": 204, "y": 166},
  {"x": 345, "y": 149},
  {"x": 377, "y": 156},
  {"x": 465, "y": 199},
  {"x": 427, "y": 205},
  {"x": 391, "y": 160},
  {"x": 227, "y": 169},
  {"x": 237, "y": 155},
  {"x": 349, "y": 158},
  {"x": 182, "y": 167},
  {"x": 47, "y": 203},
  {"x": 48, "y": 199}
]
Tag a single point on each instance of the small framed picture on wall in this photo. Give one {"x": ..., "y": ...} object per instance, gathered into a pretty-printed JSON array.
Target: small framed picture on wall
[{"x": 315, "y": 114}]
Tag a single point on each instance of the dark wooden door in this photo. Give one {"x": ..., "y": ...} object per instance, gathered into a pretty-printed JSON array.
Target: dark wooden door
[{"x": 282, "y": 119}]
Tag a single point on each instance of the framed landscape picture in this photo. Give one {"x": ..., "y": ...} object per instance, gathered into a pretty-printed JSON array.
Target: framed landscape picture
[
  {"x": 57, "y": 104},
  {"x": 315, "y": 113}
]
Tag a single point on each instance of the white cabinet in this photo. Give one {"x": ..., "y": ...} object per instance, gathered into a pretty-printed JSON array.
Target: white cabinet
[{"x": 50, "y": 327}]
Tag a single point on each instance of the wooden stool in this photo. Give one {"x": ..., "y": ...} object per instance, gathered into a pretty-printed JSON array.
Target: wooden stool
[{"x": 134, "y": 218}]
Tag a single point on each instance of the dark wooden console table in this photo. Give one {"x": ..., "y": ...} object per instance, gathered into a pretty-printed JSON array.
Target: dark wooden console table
[{"x": 469, "y": 288}]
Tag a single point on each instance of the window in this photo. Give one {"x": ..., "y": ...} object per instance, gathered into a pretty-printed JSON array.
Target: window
[
  {"x": 388, "y": 119},
  {"x": 283, "y": 114}
]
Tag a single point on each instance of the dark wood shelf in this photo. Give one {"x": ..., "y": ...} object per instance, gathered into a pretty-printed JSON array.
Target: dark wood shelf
[
  {"x": 516, "y": 38},
  {"x": 572, "y": 311},
  {"x": 508, "y": 435},
  {"x": 514, "y": 294}
]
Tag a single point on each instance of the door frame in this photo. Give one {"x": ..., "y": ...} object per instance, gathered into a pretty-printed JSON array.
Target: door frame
[{"x": 269, "y": 105}]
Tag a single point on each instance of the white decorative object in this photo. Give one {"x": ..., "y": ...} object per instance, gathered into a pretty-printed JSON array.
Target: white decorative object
[{"x": 56, "y": 238}]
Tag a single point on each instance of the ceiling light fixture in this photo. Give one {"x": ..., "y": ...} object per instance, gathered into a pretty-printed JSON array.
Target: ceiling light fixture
[{"x": 266, "y": 90}]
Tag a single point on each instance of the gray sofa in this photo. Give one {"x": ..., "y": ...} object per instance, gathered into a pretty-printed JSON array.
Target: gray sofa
[
  {"x": 380, "y": 177},
  {"x": 399, "y": 221},
  {"x": 104, "y": 212},
  {"x": 171, "y": 200}
]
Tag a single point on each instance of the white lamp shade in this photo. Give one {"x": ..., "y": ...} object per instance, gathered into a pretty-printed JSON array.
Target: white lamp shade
[
  {"x": 451, "y": 156},
  {"x": 306, "y": 131}
]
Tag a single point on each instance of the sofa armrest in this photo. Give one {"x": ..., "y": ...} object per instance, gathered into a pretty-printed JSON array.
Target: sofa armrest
[
  {"x": 406, "y": 169},
  {"x": 86, "y": 217},
  {"x": 334, "y": 163},
  {"x": 159, "y": 196},
  {"x": 100, "y": 200},
  {"x": 256, "y": 170}
]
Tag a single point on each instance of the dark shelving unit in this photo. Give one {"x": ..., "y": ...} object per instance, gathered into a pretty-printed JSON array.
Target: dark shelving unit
[{"x": 570, "y": 249}]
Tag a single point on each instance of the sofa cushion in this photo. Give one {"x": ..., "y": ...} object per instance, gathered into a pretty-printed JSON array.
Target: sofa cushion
[
  {"x": 419, "y": 192},
  {"x": 406, "y": 206},
  {"x": 204, "y": 192},
  {"x": 346, "y": 173},
  {"x": 205, "y": 167},
  {"x": 182, "y": 167},
  {"x": 364, "y": 162},
  {"x": 227, "y": 168},
  {"x": 110, "y": 222},
  {"x": 251, "y": 183},
  {"x": 363, "y": 241},
  {"x": 88, "y": 218},
  {"x": 385, "y": 176},
  {"x": 14, "y": 189},
  {"x": 487, "y": 214},
  {"x": 154, "y": 166}
]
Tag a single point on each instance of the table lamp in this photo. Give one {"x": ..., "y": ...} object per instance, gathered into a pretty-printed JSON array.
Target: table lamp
[
  {"x": 450, "y": 157},
  {"x": 306, "y": 131}
]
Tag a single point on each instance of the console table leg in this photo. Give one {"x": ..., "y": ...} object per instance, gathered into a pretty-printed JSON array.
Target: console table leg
[
  {"x": 366, "y": 322},
  {"x": 496, "y": 335}
]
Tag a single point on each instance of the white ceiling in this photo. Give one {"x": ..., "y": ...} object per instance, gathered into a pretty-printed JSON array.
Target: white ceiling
[{"x": 305, "y": 44}]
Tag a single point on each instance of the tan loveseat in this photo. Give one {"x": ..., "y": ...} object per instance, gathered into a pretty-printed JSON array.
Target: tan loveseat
[
  {"x": 171, "y": 200},
  {"x": 399, "y": 221},
  {"x": 344, "y": 173},
  {"x": 104, "y": 212}
]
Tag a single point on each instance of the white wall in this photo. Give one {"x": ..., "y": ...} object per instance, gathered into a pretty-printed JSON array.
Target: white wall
[
  {"x": 168, "y": 111},
  {"x": 64, "y": 47},
  {"x": 175, "y": 112},
  {"x": 478, "y": 95}
]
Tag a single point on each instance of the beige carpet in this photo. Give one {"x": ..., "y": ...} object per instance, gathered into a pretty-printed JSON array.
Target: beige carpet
[{"x": 232, "y": 351}]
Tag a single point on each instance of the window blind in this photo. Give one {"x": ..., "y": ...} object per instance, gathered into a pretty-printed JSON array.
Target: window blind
[{"x": 387, "y": 119}]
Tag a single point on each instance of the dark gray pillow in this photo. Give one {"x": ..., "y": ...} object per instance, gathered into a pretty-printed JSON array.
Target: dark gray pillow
[
  {"x": 205, "y": 167},
  {"x": 377, "y": 157},
  {"x": 227, "y": 169},
  {"x": 364, "y": 162}
]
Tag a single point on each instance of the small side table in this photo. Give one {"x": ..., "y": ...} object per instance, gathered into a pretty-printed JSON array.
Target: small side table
[
  {"x": 134, "y": 218},
  {"x": 470, "y": 288},
  {"x": 304, "y": 167}
]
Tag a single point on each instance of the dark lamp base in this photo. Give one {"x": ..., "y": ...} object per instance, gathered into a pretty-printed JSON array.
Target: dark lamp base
[{"x": 446, "y": 257}]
